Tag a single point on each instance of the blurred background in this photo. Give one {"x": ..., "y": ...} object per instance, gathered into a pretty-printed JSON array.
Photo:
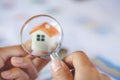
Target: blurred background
[{"x": 92, "y": 26}]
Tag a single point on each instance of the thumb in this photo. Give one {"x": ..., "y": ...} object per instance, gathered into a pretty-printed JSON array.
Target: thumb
[{"x": 60, "y": 71}]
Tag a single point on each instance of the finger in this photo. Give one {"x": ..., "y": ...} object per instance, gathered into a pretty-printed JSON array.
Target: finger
[
  {"x": 60, "y": 71},
  {"x": 1, "y": 63},
  {"x": 15, "y": 73},
  {"x": 7, "y": 52},
  {"x": 27, "y": 45},
  {"x": 105, "y": 77},
  {"x": 39, "y": 63},
  {"x": 83, "y": 66},
  {"x": 78, "y": 58},
  {"x": 26, "y": 64}
]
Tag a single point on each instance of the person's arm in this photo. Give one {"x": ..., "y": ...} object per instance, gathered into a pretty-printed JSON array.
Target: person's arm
[{"x": 80, "y": 63}]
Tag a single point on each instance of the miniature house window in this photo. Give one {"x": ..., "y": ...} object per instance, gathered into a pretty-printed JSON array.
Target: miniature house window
[{"x": 40, "y": 37}]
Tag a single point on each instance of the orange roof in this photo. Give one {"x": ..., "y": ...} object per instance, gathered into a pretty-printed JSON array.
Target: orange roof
[{"x": 47, "y": 28}]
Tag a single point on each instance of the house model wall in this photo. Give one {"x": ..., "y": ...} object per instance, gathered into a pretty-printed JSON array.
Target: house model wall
[{"x": 42, "y": 37}]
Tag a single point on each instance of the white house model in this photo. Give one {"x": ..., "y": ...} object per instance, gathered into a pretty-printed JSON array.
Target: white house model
[{"x": 42, "y": 37}]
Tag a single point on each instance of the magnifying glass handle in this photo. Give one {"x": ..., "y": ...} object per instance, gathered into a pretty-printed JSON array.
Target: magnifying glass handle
[{"x": 54, "y": 57}]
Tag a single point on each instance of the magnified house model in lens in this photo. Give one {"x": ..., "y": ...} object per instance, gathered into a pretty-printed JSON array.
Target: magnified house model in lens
[{"x": 43, "y": 37}]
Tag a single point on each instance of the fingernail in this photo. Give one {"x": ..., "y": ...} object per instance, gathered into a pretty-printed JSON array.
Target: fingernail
[
  {"x": 5, "y": 73},
  {"x": 18, "y": 60},
  {"x": 56, "y": 65}
]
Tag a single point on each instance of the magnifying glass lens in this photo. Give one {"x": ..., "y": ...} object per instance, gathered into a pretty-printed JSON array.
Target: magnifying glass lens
[{"x": 41, "y": 35}]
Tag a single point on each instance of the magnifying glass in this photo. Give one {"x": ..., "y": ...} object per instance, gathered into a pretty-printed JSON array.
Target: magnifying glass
[{"x": 41, "y": 36}]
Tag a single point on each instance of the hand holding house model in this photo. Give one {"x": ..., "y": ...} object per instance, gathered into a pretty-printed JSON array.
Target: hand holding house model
[{"x": 43, "y": 38}]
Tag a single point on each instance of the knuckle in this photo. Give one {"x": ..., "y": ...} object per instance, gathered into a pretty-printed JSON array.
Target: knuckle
[
  {"x": 34, "y": 76},
  {"x": 27, "y": 62},
  {"x": 27, "y": 78},
  {"x": 79, "y": 54},
  {"x": 82, "y": 59},
  {"x": 62, "y": 74},
  {"x": 16, "y": 69},
  {"x": 16, "y": 72},
  {"x": 21, "y": 73}
]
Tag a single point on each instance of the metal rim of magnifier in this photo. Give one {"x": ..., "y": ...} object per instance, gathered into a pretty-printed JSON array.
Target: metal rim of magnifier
[{"x": 60, "y": 38}]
